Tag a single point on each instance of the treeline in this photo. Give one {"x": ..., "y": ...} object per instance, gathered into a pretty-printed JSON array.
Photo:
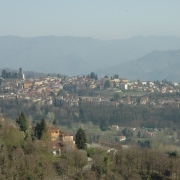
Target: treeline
[
  {"x": 9, "y": 75},
  {"x": 129, "y": 115},
  {"x": 92, "y": 75},
  {"x": 34, "y": 111},
  {"x": 126, "y": 115}
]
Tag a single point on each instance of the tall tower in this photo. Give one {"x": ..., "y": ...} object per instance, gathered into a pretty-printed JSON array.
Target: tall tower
[
  {"x": 20, "y": 71},
  {"x": 21, "y": 75}
]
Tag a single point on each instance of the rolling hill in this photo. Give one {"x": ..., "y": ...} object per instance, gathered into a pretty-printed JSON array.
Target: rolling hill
[{"x": 155, "y": 65}]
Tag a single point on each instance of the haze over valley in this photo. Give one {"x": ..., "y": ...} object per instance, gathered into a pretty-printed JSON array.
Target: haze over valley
[{"x": 81, "y": 55}]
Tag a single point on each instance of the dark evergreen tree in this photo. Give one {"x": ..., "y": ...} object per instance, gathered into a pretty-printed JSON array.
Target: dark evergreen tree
[
  {"x": 4, "y": 74},
  {"x": 107, "y": 84},
  {"x": 145, "y": 143},
  {"x": 81, "y": 139},
  {"x": 81, "y": 114},
  {"x": 127, "y": 132},
  {"x": 93, "y": 76},
  {"x": 103, "y": 125},
  {"x": 22, "y": 122},
  {"x": 116, "y": 76},
  {"x": 40, "y": 128}
]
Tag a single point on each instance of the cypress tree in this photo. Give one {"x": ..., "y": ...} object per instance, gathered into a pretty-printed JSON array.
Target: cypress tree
[
  {"x": 81, "y": 139},
  {"x": 22, "y": 122},
  {"x": 103, "y": 124},
  {"x": 40, "y": 128}
]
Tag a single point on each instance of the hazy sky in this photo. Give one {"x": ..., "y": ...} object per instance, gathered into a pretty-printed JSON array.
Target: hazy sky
[{"x": 104, "y": 19}]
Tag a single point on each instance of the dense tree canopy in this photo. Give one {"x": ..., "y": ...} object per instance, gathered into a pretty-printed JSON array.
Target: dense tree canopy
[
  {"x": 5, "y": 74},
  {"x": 115, "y": 76},
  {"x": 93, "y": 76},
  {"x": 126, "y": 115}
]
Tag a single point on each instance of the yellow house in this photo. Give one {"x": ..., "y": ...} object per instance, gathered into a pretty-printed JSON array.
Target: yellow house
[
  {"x": 27, "y": 84},
  {"x": 54, "y": 134},
  {"x": 66, "y": 137},
  {"x": 57, "y": 135}
]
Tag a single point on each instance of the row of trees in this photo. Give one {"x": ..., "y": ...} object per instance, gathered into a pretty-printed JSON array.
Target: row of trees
[
  {"x": 7, "y": 74},
  {"x": 128, "y": 115},
  {"x": 39, "y": 131},
  {"x": 167, "y": 116},
  {"x": 92, "y": 75}
]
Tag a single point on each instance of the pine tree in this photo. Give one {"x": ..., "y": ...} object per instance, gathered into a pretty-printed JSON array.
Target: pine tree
[
  {"x": 22, "y": 122},
  {"x": 81, "y": 139}
]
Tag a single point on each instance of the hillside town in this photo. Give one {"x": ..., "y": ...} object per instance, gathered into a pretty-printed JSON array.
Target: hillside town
[{"x": 66, "y": 91}]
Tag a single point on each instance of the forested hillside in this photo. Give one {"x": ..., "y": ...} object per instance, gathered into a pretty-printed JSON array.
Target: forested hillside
[
  {"x": 126, "y": 115},
  {"x": 25, "y": 157}
]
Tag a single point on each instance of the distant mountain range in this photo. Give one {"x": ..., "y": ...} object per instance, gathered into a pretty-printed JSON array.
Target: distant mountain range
[
  {"x": 155, "y": 65},
  {"x": 77, "y": 55}
]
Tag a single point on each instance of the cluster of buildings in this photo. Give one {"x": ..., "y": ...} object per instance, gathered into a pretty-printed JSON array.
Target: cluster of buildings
[
  {"x": 46, "y": 90},
  {"x": 60, "y": 140}
]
